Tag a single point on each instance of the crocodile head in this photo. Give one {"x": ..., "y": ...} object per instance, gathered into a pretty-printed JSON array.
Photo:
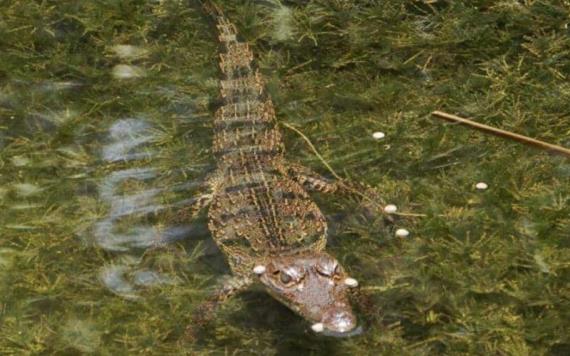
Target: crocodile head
[{"x": 313, "y": 285}]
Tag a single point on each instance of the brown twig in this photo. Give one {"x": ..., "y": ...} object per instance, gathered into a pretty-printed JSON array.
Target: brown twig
[{"x": 502, "y": 133}]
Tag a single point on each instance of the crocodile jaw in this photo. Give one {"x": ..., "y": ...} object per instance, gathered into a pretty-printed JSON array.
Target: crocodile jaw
[{"x": 312, "y": 284}]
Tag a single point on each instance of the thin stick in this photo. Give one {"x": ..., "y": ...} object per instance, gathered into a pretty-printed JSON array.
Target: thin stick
[
  {"x": 502, "y": 133},
  {"x": 312, "y": 148}
]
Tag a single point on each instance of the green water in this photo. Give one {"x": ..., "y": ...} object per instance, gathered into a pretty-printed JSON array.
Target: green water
[{"x": 105, "y": 130}]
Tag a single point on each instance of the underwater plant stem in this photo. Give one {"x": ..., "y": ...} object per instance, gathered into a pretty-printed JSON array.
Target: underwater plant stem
[
  {"x": 313, "y": 148},
  {"x": 503, "y": 133}
]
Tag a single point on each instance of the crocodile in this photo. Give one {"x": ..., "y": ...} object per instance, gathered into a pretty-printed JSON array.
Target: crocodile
[{"x": 260, "y": 214}]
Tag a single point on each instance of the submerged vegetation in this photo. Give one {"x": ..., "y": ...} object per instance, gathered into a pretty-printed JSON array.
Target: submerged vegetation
[{"x": 91, "y": 90}]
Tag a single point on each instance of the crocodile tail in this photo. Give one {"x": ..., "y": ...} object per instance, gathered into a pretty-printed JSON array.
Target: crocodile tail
[
  {"x": 227, "y": 32},
  {"x": 212, "y": 9}
]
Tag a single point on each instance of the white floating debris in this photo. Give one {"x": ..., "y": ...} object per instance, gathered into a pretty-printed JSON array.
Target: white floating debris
[
  {"x": 61, "y": 117},
  {"x": 481, "y": 186},
  {"x": 27, "y": 189},
  {"x": 128, "y": 51},
  {"x": 378, "y": 135},
  {"x": 318, "y": 327},
  {"x": 283, "y": 23},
  {"x": 20, "y": 161},
  {"x": 351, "y": 282},
  {"x": 402, "y": 233},
  {"x": 259, "y": 269},
  {"x": 124, "y": 71},
  {"x": 390, "y": 209}
]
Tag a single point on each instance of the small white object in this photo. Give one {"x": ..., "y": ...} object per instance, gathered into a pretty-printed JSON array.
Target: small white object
[
  {"x": 318, "y": 327},
  {"x": 390, "y": 209},
  {"x": 128, "y": 51},
  {"x": 259, "y": 269},
  {"x": 125, "y": 71},
  {"x": 378, "y": 135},
  {"x": 351, "y": 282},
  {"x": 481, "y": 186},
  {"x": 402, "y": 233}
]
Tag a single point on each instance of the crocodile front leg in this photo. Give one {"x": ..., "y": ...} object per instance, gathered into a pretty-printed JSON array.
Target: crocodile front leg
[
  {"x": 207, "y": 310},
  {"x": 191, "y": 207}
]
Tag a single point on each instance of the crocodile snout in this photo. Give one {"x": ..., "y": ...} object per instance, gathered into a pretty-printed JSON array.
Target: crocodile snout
[{"x": 339, "y": 321}]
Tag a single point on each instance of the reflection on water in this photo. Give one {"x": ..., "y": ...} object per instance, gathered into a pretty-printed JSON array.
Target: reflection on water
[
  {"x": 126, "y": 228},
  {"x": 123, "y": 280},
  {"x": 126, "y": 136}
]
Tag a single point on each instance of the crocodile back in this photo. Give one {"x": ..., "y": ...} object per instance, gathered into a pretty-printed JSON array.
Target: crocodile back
[{"x": 257, "y": 210}]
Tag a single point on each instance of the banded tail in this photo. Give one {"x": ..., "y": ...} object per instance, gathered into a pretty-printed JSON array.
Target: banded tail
[{"x": 245, "y": 123}]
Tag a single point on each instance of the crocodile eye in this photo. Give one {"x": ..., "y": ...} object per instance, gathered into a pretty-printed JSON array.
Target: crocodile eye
[
  {"x": 328, "y": 269},
  {"x": 285, "y": 278}
]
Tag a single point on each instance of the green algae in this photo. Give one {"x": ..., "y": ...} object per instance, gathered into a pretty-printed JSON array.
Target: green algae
[{"x": 482, "y": 271}]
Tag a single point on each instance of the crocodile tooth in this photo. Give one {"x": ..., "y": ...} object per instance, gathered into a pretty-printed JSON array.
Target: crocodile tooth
[
  {"x": 318, "y": 327},
  {"x": 259, "y": 269},
  {"x": 351, "y": 282}
]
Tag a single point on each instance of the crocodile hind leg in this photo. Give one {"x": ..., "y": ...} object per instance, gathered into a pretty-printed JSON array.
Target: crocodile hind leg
[
  {"x": 207, "y": 310},
  {"x": 312, "y": 181}
]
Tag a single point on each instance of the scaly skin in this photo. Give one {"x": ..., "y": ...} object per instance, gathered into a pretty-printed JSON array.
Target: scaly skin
[{"x": 260, "y": 214}]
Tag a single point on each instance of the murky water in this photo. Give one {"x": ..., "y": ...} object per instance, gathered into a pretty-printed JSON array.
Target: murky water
[{"x": 105, "y": 134}]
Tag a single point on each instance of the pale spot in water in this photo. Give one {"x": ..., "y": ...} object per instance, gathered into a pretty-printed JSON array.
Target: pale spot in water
[
  {"x": 113, "y": 277},
  {"x": 351, "y": 282},
  {"x": 7, "y": 256},
  {"x": 25, "y": 206},
  {"x": 62, "y": 116},
  {"x": 282, "y": 23},
  {"x": 259, "y": 269},
  {"x": 149, "y": 278},
  {"x": 59, "y": 85},
  {"x": 136, "y": 237},
  {"x": 390, "y": 209},
  {"x": 20, "y": 161},
  {"x": 27, "y": 189},
  {"x": 481, "y": 186},
  {"x": 318, "y": 327},
  {"x": 402, "y": 233},
  {"x": 125, "y": 71},
  {"x": 378, "y": 135},
  {"x": 81, "y": 335},
  {"x": 109, "y": 183},
  {"x": 140, "y": 203},
  {"x": 127, "y": 135},
  {"x": 128, "y": 51}
]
